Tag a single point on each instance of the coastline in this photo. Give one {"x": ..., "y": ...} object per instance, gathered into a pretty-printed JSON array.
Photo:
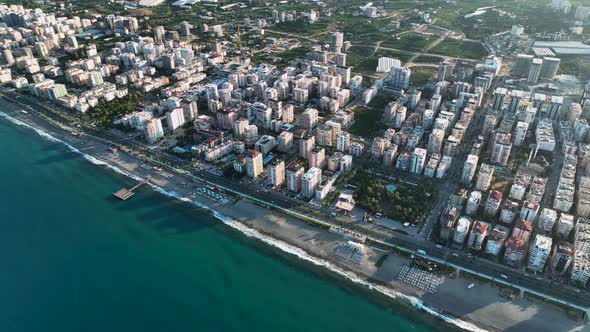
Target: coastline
[
  {"x": 309, "y": 243},
  {"x": 244, "y": 224}
]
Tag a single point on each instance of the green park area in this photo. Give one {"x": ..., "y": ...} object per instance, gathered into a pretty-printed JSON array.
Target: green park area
[
  {"x": 301, "y": 27},
  {"x": 280, "y": 59},
  {"x": 381, "y": 100},
  {"x": 428, "y": 59},
  {"x": 575, "y": 65},
  {"x": 367, "y": 121},
  {"x": 294, "y": 53},
  {"x": 167, "y": 16},
  {"x": 409, "y": 42},
  {"x": 105, "y": 113},
  {"x": 361, "y": 29},
  {"x": 460, "y": 49},
  {"x": 358, "y": 54},
  {"x": 367, "y": 66},
  {"x": 421, "y": 76},
  {"x": 403, "y": 202},
  {"x": 536, "y": 15}
]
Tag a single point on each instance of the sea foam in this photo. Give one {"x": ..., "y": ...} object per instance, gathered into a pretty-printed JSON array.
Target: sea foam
[{"x": 250, "y": 232}]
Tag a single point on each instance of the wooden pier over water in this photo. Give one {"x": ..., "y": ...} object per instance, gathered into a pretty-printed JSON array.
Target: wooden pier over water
[{"x": 124, "y": 193}]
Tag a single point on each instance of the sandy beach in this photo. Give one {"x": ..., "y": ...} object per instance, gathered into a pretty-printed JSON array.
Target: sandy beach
[{"x": 481, "y": 304}]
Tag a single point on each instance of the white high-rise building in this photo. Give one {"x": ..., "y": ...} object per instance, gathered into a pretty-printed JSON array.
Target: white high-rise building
[
  {"x": 276, "y": 172},
  {"x": 469, "y": 169},
  {"x": 479, "y": 232},
  {"x": 323, "y": 135},
  {"x": 305, "y": 146},
  {"x": 175, "y": 118},
  {"x": 159, "y": 33},
  {"x": 529, "y": 211},
  {"x": 550, "y": 68},
  {"x": 309, "y": 118},
  {"x": 250, "y": 134},
  {"x": 8, "y": 57},
  {"x": 294, "y": 174},
  {"x": 473, "y": 202},
  {"x": 501, "y": 148},
  {"x": 95, "y": 78},
  {"x": 522, "y": 65},
  {"x": 300, "y": 95},
  {"x": 547, "y": 219},
  {"x": 516, "y": 97},
  {"x": 435, "y": 102},
  {"x": 565, "y": 224},
  {"x": 389, "y": 155},
  {"x": 239, "y": 127},
  {"x": 535, "y": 71},
  {"x": 520, "y": 133},
  {"x": 342, "y": 141},
  {"x": 563, "y": 255},
  {"x": 436, "y": 140},
  {"x": 153, "y": 130},
  {"x": 484, "y": 177},
  {"x": 509, "y": 211},
  {"x": 399, "y": 78},
  {"x": 499, "y": 98},
  {"x": 493, "y": 203},
  {"x": 287, "y": 114},
  {"x": 265, "y": 144},
  {"x": 496, "y": 240},
  {"x": 72, "y": 42},
  {"x": 317, "y": 157},
  {"x": 540, "y": 250},
  {"x": 417, "y": 161},
  {"x": 379, "y": 146},
  {"x": 444, "y": 71},
  {"x": 555, "y": 104},
  {"x": 310, "y": 181},
  {"x": 185, "y": 29},
  {"x": 337, "y": 42},
  {"x": 285, "y": 141},
  {"x": 461, "y": 230},
  {"x": 254, "y": 165},
  {"x": 581, "y": 268}
]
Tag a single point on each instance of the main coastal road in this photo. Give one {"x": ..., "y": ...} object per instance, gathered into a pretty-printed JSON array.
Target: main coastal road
[{"x": 485, "y": 269}]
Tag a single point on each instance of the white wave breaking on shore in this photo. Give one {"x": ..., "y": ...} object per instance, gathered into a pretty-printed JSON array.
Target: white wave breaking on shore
[
  {"x": 253, "y": 233},
  {"x": 41, "y": 133}
]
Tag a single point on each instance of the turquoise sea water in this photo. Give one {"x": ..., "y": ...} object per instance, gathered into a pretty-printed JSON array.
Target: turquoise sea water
[{"x": 76, "y": 259}]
